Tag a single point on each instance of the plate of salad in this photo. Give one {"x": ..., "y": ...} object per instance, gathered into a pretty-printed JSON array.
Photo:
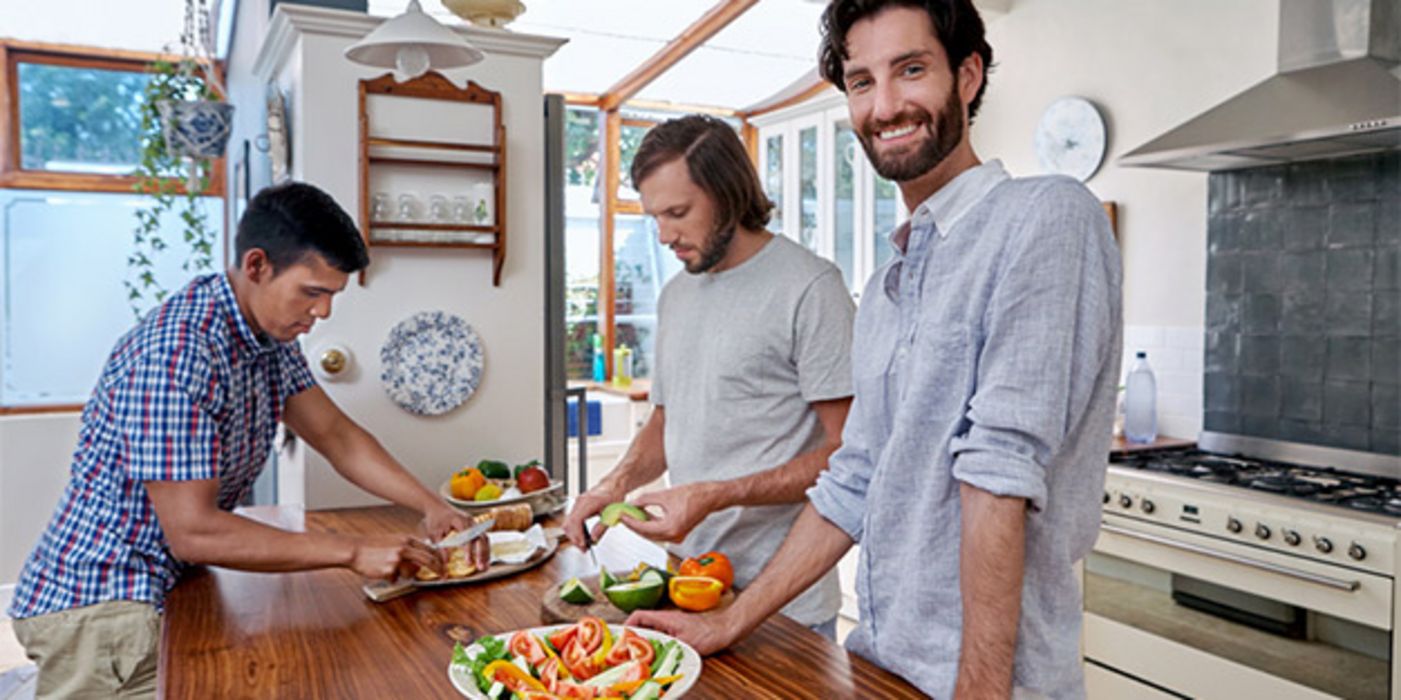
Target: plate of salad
[{"x": 589, "y": 659}]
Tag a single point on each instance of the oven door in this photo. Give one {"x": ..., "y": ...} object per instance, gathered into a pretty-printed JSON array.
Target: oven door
[{"x": 1204, "y": 617}]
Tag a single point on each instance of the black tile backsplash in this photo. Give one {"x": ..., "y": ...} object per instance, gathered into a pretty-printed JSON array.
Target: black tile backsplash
[{"x": 1303, "y": 315}]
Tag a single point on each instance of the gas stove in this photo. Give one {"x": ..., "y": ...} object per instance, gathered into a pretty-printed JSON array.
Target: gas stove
[
  {"x": 1362, "y": 492},
  {"x": 1292, "y": 551}
]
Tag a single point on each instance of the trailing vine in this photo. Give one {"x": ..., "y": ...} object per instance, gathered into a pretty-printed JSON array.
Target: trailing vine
[{"x": 160, "y": 182}]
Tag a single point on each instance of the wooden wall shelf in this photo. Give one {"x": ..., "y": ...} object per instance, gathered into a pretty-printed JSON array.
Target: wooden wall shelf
[{"x": 439, "y": 159}]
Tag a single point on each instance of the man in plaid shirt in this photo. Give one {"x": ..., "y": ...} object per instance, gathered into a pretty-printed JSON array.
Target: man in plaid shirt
[{"x": 174, "y": 435}]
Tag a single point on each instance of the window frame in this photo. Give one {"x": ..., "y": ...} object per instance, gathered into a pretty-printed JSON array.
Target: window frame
[{"x": 15, "y": 177}]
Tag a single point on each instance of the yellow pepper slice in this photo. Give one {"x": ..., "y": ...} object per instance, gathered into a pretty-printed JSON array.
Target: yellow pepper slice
[{"x": 512, "y": 671}]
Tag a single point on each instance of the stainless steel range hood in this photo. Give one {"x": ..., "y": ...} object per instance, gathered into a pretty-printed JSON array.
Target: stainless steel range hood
[{"x": 1337, "y": 93}]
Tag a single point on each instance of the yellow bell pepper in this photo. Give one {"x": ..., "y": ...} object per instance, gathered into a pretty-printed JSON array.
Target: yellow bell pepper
[
  {"x": 605, "y": 647},
  {"x": 512, "y": 671}
]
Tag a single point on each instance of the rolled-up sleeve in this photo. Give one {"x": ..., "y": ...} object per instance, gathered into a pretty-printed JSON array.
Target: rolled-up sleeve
[
  {"x": 1047, "y": 323},
  {"x": 840, "y": 492}
]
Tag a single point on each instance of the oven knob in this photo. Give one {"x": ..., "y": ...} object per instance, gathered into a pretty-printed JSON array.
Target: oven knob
[
  {"x": 1262, "y": 531},
  {"x": 1233, "y": 525},
  {"x": 1323, "y": 544},
  {"x": 1147, "y": 506},
  {"x": 1292, "y": 538},
  {"x": 1106, "y": 497},
  {"x": 1125, "y": 501},
  {"x": 1356, "y": 551}
]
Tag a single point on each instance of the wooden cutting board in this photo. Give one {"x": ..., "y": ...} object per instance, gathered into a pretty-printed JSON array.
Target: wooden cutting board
[{"x": 553, "y": 610}]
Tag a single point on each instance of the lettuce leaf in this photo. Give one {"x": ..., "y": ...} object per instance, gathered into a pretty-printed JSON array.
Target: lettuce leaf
[{"x": 493, "y": 649}]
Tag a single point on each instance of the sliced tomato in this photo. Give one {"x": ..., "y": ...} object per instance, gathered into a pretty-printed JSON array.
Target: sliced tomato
[
  {"x": 560, "y": 638},
  {"x": 619, "y": 654},
  {"x": 578, "y": 661},
  {"x": 639, "y": 649},
  {"x": 590, "y": 633},
  {"x": 525, "y": 644},
  {"x": 571, "y": 690},
  {"x": 551, "y": 672}
]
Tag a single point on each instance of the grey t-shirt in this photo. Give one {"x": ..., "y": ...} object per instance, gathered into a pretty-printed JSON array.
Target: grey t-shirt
[{"x": 741, "y": 355}]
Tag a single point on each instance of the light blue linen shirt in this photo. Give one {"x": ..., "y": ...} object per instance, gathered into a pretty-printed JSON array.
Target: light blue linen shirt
[{"x": 986, "y": 352}]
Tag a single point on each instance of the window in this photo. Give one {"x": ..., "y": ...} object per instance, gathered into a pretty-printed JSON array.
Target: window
[
  {"x": 582, "y": 234},
  {"x": 844, "y": 156},
  {"x": 807, "y": 188},
  {"x": 773, "y": 178},
  {"x": 70, "y": 141},
  {"x": 836, "y": 204}
]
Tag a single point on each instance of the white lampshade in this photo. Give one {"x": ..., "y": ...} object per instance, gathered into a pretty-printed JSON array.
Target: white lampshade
[{"x": 413, "y": 43}]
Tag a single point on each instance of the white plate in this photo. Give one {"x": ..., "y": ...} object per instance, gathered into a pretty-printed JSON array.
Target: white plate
[
  {"x": 690, "y": 667},
  {"x": 541, "y": 501},
  {"x": 432, "y": 363}
]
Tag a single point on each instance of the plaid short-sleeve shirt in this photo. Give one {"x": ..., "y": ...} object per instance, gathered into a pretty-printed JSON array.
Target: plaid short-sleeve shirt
[{"x": 189, "y": 393}]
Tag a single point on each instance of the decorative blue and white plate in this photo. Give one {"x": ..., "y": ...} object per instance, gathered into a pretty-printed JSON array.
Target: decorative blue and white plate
[{"x": 432, "y": 363}]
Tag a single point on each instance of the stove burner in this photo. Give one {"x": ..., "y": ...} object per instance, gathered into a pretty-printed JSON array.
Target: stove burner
[{"x": 1321, "y": 484}]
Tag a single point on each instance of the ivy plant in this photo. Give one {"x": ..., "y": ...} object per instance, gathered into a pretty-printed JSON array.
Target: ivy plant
[{"x": 159, "y": 180}]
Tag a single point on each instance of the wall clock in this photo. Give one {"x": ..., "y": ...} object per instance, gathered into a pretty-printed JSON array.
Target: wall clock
[{"x": 1070, "y": 138}]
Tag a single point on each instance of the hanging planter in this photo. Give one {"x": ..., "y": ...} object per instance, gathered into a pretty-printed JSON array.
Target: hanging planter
[{"x": 196, "y": 129}]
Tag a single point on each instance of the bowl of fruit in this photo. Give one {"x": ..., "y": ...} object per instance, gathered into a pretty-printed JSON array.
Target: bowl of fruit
[{"x": 493, "y": 483}]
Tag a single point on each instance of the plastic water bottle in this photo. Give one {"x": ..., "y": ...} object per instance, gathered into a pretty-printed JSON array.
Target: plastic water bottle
[
  {"x": 1141, "y": 402},
  {"x": 598, "y": 364}
]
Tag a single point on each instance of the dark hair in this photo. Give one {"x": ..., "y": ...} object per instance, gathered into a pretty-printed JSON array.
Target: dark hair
[
  {"x": 291, "y": 220},
  {"x": 957, "y": 25},
  {"x": 717, "y": 163}
]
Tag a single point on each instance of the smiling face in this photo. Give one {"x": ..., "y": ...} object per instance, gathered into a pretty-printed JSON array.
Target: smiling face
[
  {"x": 286, "y": 303},
  {"x": 907, "y": 105},
  {"x": 685, "y": 216}
]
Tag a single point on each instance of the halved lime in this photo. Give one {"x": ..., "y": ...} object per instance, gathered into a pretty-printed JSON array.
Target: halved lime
[
  {"x": 605, "y": 579},
  {"x": 636, "y": 594},
  {"x": 613, "y": 512},
  {"x": 573, "y": 591}
]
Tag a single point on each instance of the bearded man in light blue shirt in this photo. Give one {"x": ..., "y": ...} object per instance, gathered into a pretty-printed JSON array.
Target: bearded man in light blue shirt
[{"x": 985, "y": 361}]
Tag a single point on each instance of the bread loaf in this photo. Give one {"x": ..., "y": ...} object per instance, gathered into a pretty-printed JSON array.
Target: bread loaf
[{"x": 517, "y": 516}]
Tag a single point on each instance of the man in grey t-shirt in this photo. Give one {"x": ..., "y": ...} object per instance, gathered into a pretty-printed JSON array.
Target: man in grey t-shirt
[
  {"x": 986, "y": 361},
  {"x": 753, "y": 374}
]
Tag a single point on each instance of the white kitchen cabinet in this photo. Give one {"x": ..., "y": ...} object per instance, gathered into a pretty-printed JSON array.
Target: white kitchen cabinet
[{"x": 826, "y": 194}]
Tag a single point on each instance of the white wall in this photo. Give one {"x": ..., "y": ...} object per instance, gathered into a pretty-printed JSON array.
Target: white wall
[
  {"x": 505, "y": 417},
  {"x": 35, "y": 452},
  {"x": 1148, "y": 65}
]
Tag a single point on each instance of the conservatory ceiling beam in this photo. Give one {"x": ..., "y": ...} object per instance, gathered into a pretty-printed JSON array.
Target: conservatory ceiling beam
[{"x": 709, "y": 24}]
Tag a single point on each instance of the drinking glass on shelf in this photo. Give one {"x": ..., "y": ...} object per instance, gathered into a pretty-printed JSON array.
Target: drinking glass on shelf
[
  {"x": 379, "y": 206},
  {"x": 438, "y": 208},
  {"x": 408, "y": 207},
  {"x": 462, "y": 209}
]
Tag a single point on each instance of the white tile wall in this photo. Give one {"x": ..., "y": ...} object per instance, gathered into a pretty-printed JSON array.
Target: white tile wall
[{"x": 1176, "y": 355}]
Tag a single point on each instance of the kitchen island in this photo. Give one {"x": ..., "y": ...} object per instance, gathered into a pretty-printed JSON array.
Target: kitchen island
[{"x": 234, "y": 634}]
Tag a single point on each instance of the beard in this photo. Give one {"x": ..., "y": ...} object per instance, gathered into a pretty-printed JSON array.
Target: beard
[
  {"x": 942, "y": 138},
  {"x": 717, "y": 244}
]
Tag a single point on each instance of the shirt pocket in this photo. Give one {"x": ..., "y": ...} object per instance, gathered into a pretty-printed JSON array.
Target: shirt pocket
[{"x": 940, "y": 374}]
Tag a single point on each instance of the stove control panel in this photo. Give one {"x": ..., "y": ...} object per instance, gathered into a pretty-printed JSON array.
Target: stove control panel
[{"x": 1241, "y": 516}]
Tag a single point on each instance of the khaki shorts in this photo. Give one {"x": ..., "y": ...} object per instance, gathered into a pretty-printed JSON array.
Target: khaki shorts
[{"x": 108, "y": 650}]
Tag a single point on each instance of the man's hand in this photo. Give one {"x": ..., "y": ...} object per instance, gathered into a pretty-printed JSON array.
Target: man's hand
[
  {"x": 587, "y": 505},
  {"x": 385, "y": 556},
  {"x": 440, "y": 519},
  {"x": 708, "y": 632},
  {"x": 683, "y": 507}
]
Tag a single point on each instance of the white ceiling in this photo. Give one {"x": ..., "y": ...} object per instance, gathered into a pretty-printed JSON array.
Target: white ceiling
[{"x": 760, "y": 53}]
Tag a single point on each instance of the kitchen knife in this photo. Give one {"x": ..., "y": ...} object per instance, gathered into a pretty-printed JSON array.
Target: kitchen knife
[{"x": 461, "y": 538}]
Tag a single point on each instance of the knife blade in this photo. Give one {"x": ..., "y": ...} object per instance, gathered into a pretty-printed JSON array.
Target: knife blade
[
  {"x": 461, "y": 538},
  {"x": 588, "y": 542}
]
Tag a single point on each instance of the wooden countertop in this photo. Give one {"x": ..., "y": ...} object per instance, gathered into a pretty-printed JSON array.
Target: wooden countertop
[
  {"x": 234, "y": 634},
  {"x": 640, "y": 389}
]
